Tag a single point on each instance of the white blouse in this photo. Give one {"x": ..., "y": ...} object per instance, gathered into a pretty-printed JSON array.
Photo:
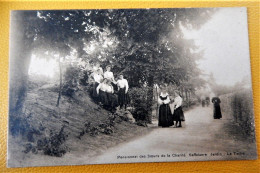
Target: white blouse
[
  {"x": 166, "y": 101},
  {"x": 105, "y": 87},
  {"x": 97, "y": 77},
  {"x": 177, "y": 102},
  {"x": 121, "y": 83},
  {"x": 109, "y": 75}
]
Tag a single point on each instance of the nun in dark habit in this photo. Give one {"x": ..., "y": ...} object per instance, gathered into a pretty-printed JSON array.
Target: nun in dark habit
[
  {"x": 165, "y": 115},
  {"x": 217, "y": 111}
]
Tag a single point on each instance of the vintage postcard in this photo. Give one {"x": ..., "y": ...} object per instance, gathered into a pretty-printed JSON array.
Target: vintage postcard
[{"x": 129, "y": 85}]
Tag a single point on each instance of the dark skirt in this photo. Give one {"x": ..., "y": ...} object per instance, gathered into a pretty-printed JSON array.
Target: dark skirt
[
  {"x": 112, "y": 100},
  {"x": 103, "y": 97},
  {"x": 165, "y": 116},
  {"x": 217, "y": 112},
  {"x": 178, "y": 114},
  {"x": 94, "y": 89},
  {"x": 123, "y": 97}
]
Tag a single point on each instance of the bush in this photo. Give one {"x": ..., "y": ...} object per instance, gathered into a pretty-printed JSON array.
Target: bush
[
  {"x": 242, "y": 107},
  {"x": 72, "y": 81},
  {"x": 239, "y": 107},
  {"x": 106, "y": 128},
  {"x": 139, "y": 102},
  {"x": 54, "y": 145}
]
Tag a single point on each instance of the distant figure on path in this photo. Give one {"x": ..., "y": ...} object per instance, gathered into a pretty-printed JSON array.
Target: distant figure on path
[
  {"x": 203, "y": 103},
  {"x": 165, "y": 115},
  {"x": 123, "y": 98},
  {"x": 217, "y": 111},
  {"x": 178, "y": 115},
  {"x": 207, "y": 101}
]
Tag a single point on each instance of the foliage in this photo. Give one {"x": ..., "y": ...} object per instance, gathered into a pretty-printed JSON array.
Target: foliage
[
  {"x": 139, "y": 102},
  {"x": 146, "y": 45},
  {"x": 223, "y": 89},
  {"x": 242, "y": 107},
  {"x": 71, "y": 82},
  {"x": 147, "y": 41},
  {"x": 239, "y": 106},
  {"x": 107, "y": 127},
  {"x": 54, "y": 145}
]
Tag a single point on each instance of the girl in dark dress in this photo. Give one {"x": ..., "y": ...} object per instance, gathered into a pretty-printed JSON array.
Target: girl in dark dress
[
  {"x": 95, "y": 78},
  {"x": 178, "y": 114},
  {"x": 112, "y": 98},
  {"x": 217, "y": 111},
  {"x": 102, "y": 92},
  {"x": 123, "y": 97},
  {"x": 165, "y": 115}
]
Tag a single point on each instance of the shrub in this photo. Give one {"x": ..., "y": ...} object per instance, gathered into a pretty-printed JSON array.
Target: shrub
[
  {"x": 72, "y": 81},
  {"x": 139, "y": 102},
  {"x": 54, "y": 145},
  {"x": 242, "y": 106},
  {"x": 239, "y": 107}
]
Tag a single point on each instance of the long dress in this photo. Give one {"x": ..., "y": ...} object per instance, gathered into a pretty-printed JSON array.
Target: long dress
[
  {"x": 165, "y": 116},
  {"x": 178, "y": 112},
  {"x": 111, "y": 98},
  {"x": 112, "y": 101},
  {"x": 123, "y": 98},
  {"x": 97, "y": 79},
  {"x": 101, "y": 89},
  {"x": 217, "y": 111}
]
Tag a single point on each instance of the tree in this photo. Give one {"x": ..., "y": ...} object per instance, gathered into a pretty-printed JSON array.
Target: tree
[
  {"x": 149, "y": 53},
  {"x": 21, "y": 38},
  {"x": 147, "y": 44}
]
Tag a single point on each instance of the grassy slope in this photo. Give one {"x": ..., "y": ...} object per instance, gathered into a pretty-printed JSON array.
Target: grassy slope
[{"x": 42, "y": 113}]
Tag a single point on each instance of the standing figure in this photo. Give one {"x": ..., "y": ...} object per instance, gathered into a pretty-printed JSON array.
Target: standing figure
[
  {"x": 97, "y": 67},
  {"x": 203, "y": 103},
  {"x": 123, "y": 98},
  {"x": 101, "y": 92},
  {"x": 178, "y": 115},
  {"x": 165, "y": 115},
  {"x": 217, "y": 111},
  {"x": 108, "y": 74},
  {"x": 111, "y": 97},
  {"x": 207, "y": 101},
  {"x": 106, "y": 94},
  {"x": 96, "y": 78}
]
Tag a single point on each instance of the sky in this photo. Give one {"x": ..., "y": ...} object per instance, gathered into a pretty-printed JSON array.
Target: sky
[{"x": 224, "y": 39}]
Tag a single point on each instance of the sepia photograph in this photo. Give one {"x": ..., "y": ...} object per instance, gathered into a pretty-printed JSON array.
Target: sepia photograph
[{"x": 102, "y": 86}]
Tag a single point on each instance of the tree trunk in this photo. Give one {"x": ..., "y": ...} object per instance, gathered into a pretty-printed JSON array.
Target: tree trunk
[
  {"x": 20, "y": 55},
  {"x": 188, "y": 98},
  {"x": 58, "y": 100},
  {"x": 186, "y": 94},
  {"x": 149, "y": 102},
  {"x": 157, "y": 104}
]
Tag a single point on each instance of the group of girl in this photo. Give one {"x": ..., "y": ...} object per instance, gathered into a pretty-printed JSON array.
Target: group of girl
[
  {"x": 170, "y": 110},
  {"x": 105, "y": 87}
]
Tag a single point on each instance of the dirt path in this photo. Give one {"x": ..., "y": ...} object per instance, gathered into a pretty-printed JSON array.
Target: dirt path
[{"x": 200, "y": 135}]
